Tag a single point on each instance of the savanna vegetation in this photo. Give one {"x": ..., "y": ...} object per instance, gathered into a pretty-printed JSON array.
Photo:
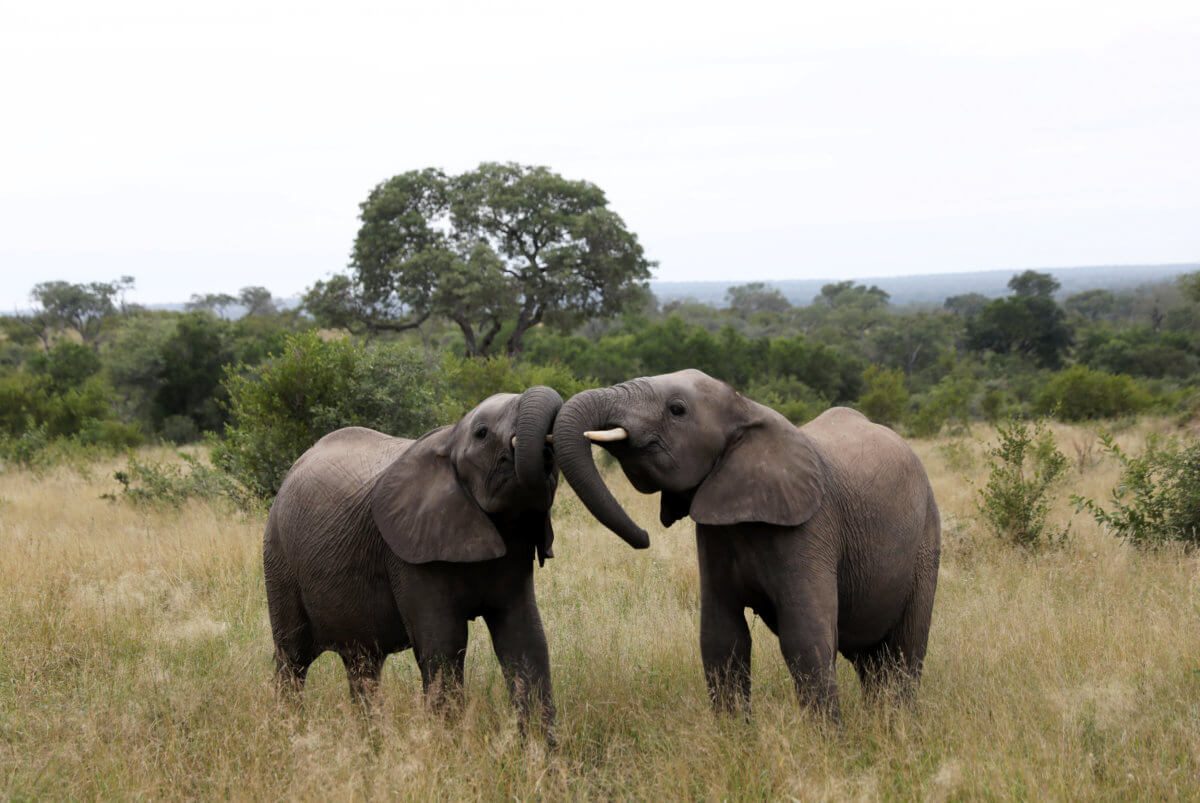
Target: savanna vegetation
[
  {"x": 139, "y": 449},
  {"x": 136, "y": 662}
]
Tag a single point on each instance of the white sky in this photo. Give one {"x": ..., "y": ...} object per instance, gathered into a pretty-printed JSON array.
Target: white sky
[{"x": 206, "y": 146}]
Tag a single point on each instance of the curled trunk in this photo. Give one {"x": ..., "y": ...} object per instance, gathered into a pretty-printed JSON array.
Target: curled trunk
[
  {"x": 592, "y": 410},
  {"x": 535, "y": 416}
]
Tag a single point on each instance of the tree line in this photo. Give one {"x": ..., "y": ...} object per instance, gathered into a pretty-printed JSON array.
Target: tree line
[{"x": 509, "y": 273}]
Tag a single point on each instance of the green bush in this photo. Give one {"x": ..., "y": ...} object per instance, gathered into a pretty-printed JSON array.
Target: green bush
[
  {"x": 958, "y": 455},
  {"x": 28, "y": 449},
  {"x": 112, "y": 435},
  {"x": 279, "y": 409},
  {"x": 466, "y": 381},
  {"x": 885, "y": 399},
  {"x": 994, "y": 404},
  {"x": 36, "y": 412},
  {"x": 790, "y": 397},
  {"x": 1079, "y": 394},
  {"x": 66, "y": 365},
  {"x": 1157, "y": 499},
  {"x": 1024, "y": 466},
  {"x": 171, "y": 484},
  {"x": 948, "y": 403},
  {"x": 179, "y": 429}
]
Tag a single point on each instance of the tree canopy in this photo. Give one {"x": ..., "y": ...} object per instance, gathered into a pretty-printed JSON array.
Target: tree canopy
[
  {"x": 497, "y": 250},
  {"x": 1031, "y": 283},
  {"x": 755, "y": 297},
  {"x": 81, "y": 307},
  {"x": 1031, "y": 325}
]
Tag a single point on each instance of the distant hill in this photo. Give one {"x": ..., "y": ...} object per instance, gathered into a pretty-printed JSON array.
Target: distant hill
[{"x": 935, "y": 288}]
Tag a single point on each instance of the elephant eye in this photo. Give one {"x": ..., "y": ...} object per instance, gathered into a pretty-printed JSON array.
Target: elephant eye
[
  {"x": 481, "y": 432},
  {"x": 677, "y": 408}
]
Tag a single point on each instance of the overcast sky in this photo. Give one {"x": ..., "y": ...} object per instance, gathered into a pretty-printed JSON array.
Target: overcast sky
[{"x": 206, "y": 146}]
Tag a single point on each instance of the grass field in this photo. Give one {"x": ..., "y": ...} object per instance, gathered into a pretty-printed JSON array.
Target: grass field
[{"x": 135, "y": 660}]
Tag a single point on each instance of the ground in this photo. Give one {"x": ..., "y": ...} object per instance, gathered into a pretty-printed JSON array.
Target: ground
[{"x": 135, "y": 660}]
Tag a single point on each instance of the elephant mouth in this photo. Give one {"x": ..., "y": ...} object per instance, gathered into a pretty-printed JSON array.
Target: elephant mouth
[
  {"x": 505, "y": 484},
  {"x": 633, "y": 445},
  {"x": 633, "y": 458}
]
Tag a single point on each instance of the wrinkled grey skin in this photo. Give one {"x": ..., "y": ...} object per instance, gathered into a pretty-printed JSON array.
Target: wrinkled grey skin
[
  {"x": 375, "y": 544},
  {"x": 829, "y": 531}
]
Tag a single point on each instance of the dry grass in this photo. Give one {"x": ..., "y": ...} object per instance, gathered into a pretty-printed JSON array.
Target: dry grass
[{"x": 135, "y": 661}]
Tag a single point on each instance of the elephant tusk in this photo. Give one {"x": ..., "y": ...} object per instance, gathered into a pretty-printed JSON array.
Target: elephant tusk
[
  {"x": 549, "y": 439},
  {"x": 606, "y": 435}
]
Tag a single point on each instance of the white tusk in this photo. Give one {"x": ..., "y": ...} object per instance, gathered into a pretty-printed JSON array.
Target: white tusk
[
  {"x": 514, "y": 442},
  {"x": 606, "y": 435}
]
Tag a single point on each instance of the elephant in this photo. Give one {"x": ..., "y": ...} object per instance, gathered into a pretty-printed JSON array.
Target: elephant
[
  {"x": 375, "y": 544},
  {"x": 829, "y": 531}
]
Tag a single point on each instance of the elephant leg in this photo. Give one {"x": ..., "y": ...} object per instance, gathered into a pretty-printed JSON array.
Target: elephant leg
[
  {"x": 440, "y": 644},
  {"x": 292, "y": 632},
  {"x": 808, "y": 641},
  {"x": 725, "y": 652},
  {"x": 291, "y": 669},
  {"x": 878, "y": 668},
  {"x": 896, "y": 663},
  {"x": 520, "y": 646},
  {"x": 363, "y": 668}
]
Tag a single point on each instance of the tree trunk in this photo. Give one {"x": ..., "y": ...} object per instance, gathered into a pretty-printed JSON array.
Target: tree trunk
[{"x": 468, "y": 333}]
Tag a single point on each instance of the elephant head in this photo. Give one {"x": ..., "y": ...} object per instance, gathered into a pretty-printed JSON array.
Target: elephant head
[
  {"x": 714, "y": 454},
  {"x": 449, "y": 494}
]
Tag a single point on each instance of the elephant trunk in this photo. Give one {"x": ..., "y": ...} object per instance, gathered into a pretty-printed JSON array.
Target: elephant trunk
[
  {"x": 535, "y": 416},
  {"x": 591, "y": 410}
]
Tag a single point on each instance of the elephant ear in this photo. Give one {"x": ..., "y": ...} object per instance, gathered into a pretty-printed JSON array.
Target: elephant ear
[
  {"x": 423, "y": 512},
  {"x": 772, "y": 473}
]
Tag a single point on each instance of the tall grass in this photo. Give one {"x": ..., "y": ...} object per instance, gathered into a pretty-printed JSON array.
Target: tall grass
[{"x": 135, "y": 661}]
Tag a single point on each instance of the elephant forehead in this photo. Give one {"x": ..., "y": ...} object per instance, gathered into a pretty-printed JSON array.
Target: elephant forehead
[
  {"x": 495, "y": 407},
  {"x": 691, "y": 383}
]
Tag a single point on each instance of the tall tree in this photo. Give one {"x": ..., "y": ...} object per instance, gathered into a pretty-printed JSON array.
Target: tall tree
[
  {"x": 81, "y": 307},
  {"x": 967, "y": 304},
  {"x": 257, "y": 301},
  {"x": 1033, "y": 326},
  {"x": 497, "y": 250},
  {"x": 1091, "y": 304},
  {"x": 755, "y": 297},
  {"x": 1189, "y": 283},
  {"x": 215, "y": 303},
  {"x": 1032, "y": 284}
]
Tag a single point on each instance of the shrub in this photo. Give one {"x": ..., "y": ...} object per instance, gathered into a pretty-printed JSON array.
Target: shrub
[
  {"x": 36, "y": 413},
  {"x": 1157, "y": 499},
  {"x": 1079, "y": 393},
  {"x": 66, "y": 365},
  {"x": 27, "y": 449},
  {"x": 279, "y": 409},
  {"x": 1024, "y": 466},
  {"x": 179, "y": 429},
  {"x": 170, "y": 485},
  {"x": 466, "y": 381},
  {"x": 958, "y": 455},
  {"x": 947, "y": 403},
  {"x": 112, "y": 435},
  {"x": 885, "y": 398},
  {"x": 790, "y": 397},
  {"x": 994, "y": 404}
]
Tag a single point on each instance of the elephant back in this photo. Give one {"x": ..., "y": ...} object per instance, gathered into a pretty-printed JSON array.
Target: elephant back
[{"x": 326, "y": 494}]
